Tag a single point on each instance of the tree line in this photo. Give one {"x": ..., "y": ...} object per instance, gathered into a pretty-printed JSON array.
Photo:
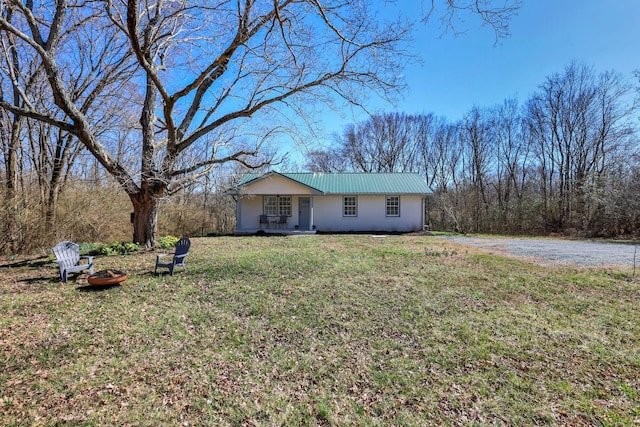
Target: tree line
[{"x": 566, "y": 160}]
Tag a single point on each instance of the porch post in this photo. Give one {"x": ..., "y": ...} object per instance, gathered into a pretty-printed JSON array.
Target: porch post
[
  {"x": 239, "y": 213},
  {"x": 311, "y": 221}
]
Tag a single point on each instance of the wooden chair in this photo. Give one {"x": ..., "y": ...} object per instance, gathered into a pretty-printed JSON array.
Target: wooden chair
[
  {"x": 178, "y": 256},
  {"x": 264, "y": 220},
  {"x": 68, "y": 259}
]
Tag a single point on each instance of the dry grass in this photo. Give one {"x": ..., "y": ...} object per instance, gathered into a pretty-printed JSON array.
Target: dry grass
[{"x": 321, "y": 330}]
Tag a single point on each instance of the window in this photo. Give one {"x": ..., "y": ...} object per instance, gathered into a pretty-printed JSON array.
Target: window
[
  {"x": 393, "y": 206},
  {"x": 284, "y": 205},
  {"x": 277, "y": 205},
  {"x": 271, "y": 205},
  {"x": 350, "y": 206}
]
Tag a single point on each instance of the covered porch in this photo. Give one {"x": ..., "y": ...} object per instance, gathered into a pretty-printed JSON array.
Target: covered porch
[
  {"x": 295, "y": 214},
  {"x": 275, "y": 214},
  {"x": 275, "y": 204}
]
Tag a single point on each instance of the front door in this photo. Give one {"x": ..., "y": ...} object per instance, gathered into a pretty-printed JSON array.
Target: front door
[{"x": 304, "y": 213}]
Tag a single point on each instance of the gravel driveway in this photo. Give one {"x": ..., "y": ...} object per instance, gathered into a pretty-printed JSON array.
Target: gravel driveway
[{"x": 555, "y": 252}]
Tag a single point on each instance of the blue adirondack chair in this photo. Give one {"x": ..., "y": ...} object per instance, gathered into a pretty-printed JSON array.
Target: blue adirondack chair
[
  {"x": 177, "y": 260},
  {"x": 69, "y": 259}
]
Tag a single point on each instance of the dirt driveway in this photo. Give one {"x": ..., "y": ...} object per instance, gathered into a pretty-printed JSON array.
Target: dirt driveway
[{"x": 556, "y": 252}]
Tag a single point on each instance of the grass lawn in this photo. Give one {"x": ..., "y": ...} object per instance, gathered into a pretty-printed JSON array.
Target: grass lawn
[{"x": 321, "y": 330}]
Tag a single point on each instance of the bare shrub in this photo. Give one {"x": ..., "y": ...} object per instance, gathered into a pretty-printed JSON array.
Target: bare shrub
[
  {"x": 197, "y": 214},
  {"x": 99, "y": 213}
]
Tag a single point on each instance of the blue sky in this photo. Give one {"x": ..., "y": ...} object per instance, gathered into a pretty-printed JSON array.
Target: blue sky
[{"x": 458, "y": 72}]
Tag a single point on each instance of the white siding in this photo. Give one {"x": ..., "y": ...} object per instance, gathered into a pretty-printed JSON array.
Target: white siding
[
  {"x": 371, "y": 214},
  {"x": 249, "y": 211}
]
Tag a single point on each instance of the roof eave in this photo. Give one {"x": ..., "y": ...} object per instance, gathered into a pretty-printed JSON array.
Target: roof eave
[{"x": 314, "y": 191}]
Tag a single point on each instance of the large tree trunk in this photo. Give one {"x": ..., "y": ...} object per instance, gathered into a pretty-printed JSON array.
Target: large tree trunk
[{"x": 145, "y": 218}]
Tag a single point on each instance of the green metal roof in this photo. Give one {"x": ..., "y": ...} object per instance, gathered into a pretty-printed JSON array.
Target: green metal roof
[{"x": 354, "y": 183}]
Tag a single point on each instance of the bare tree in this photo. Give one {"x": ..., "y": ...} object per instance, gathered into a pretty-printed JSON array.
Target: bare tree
[
  {"x": 201, "y": 67},
  {"x": 12, "y": 125},
  {"x": 477, "y": 142},
  {"x": 50, "y": 151},
  {"x": 206, "y": 74},
  {"x": 581, "y": 123},
  {"x": 386, "y": 142},
  {"x": 451, "y": 14},
  {"x": 328, "y": 160},
  {"x": 512, "y": 164},
  {"x": 441, "y": 157}
]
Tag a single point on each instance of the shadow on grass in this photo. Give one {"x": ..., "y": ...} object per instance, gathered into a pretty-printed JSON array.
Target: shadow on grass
[
  {"x": 148, "y": 273},
  {"x": 73, "y": 279},
  {"x": 29, "y": 262},
  {"x": 39, "y": 280},
  {"x": 97, "y": 288}
]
